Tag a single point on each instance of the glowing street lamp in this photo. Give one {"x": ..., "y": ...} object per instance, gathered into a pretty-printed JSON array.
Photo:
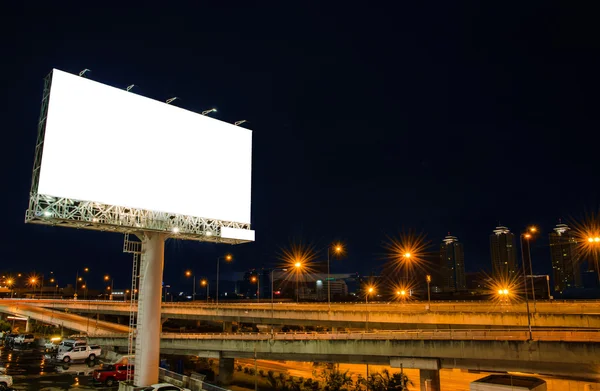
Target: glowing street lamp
[
  {"x": 227, "y": 258},
  {"x": 527, "y": 235},
  {"x": 79, "y": 279},
  {"x": 111, "y": 287},
  {"x": 337, "y": 249},
  {"x": 428, "y": 279},
  {"x": 256, "y": 279},
  {"x": 298, "y": 269},
  {"x": 188, "y": 274},
  {"x": 213, "y": 110},
  {"x": 205, "y": 283}
]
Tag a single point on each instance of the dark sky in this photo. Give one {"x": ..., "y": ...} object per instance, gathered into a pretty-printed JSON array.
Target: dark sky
[{"x": 368, "y": 120}]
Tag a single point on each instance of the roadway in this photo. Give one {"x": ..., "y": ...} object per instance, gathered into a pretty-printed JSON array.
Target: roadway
[
  {"x": 554, "y": 352},
  {"x": 60, "y": 318},
  {"x": 376, "y": 315}
]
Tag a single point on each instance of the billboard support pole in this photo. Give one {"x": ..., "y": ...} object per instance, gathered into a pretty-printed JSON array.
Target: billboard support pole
[{"x": 147, "y": 343}]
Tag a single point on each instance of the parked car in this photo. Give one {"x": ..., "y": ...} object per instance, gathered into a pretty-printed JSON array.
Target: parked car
[
  {"x": 68, "y": 344},
  {"x": 24, "y": 339},
  {"x": 111, "y": 374},
  {"x": 5, "y": 380},
  {"x": 52, "y": 345},
  {"x": 80, "y": 353},
  {"x": 164, "y": 387}
]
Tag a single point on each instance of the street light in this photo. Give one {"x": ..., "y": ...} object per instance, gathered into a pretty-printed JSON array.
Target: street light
[
  {"x": 272, "y": 302},
  {"x": 78, "y": 279},
  {"x": 337, "y": 248},
  {"x": 527, "y": 236},
  {"x": 503, "y": 294},
  {"x": 370, "y": 290},
  {"x": 406, "y": 256},
  {"x": 257, "y": 280},
  {"x": 530, "y": 231},
  {"x": 428, "y": 278},
  {"x": 298, "y": 267},
  {"x": 188, "y": 273},
  {"x": 111, "y": 287},
  {"x": 10, "y": 282},
  {"x": 227, "y": 258},
  {"x": 205, "y": 282}
]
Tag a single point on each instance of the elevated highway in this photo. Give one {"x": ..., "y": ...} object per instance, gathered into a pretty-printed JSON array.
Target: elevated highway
[
  {"x": 375, "y": 316},
  {"x": 561, "y": 353},
  {"x": 78, "y": 323}
]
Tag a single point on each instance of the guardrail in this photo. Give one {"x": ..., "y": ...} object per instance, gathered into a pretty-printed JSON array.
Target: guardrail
[{"x": 558, "y": 335}]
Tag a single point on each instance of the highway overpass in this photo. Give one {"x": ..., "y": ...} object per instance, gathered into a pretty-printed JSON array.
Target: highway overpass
[
  {"x": 559, "y": 353},
  {"x": 374, "y": 316},
  {"x": 78, "y": 323}
]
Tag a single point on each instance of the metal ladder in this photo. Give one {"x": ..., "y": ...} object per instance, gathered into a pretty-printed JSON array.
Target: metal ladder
[{"x": 133, "y": 247}]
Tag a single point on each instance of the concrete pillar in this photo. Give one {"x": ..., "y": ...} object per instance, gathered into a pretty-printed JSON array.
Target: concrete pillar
[
  {"x": 28, "y": 324},
  {"x": 225, "y": 370},
  {"x": 430, "y": 379},
  {"x": 147, "y": 343},
  {"x": 228, "y": 327}
]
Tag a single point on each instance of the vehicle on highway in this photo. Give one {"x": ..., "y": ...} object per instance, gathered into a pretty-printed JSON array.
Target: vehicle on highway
[
  {"x": 68, "y": 344},
  {"x": 111, "y": 374},
  {"x": 80, "y": 353},
  {"x": 163, "y": 387},
  {"x": 24, "y": 339}
]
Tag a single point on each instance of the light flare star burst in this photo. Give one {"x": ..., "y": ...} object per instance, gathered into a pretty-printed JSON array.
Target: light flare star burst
[{"x": 408, "y": 253}]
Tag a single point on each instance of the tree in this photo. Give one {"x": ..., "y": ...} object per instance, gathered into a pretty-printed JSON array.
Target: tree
[
  {"x": 335, "y": 380},
  {"x": 4, "y": 326},
  {"x": 385, "y": 381}
]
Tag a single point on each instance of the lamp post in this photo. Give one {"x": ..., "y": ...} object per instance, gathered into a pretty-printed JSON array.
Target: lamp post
[
  {"x": 525, "y": 284},
  {"x": 528, "y": 236},
  {"x": 369, "y": 291},
  {"x": 188, "y": 273},
  {"x": 337, "y": 249},
  {"x": 406, "y": 256},
  {"x": 10, "y": 282},
  {"x": 227, "y": 258},
  {"x": 428, "y": 278},
  {"x": 205, "y": 282},
  {"x": 78, "y": 279},
  {"x": 257, "y": 280},
  {"x": 111, "y": 287},
  {"x": 272, "y": 302},
  {"x": 298, "y": 266}
]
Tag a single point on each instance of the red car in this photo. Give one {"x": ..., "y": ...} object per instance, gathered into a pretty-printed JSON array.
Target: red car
[{"x": 111, "y": 374}]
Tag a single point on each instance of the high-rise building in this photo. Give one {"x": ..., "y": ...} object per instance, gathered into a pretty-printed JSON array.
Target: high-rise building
[
  {"x": 452, "y": 262},
  {"x": 503, "y": 252},
  {"x": 565, "y": 258}
]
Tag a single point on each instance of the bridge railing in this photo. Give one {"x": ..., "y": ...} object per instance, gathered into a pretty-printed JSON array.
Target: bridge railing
[{"x": 556, "y": 335}]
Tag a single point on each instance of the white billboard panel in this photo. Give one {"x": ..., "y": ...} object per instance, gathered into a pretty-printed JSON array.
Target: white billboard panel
[{"x": 114, "y": 147}]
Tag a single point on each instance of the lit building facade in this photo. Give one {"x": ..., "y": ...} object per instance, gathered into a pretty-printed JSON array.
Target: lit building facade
[
  {"x": 565, "y": 258},
  {"x": 503, "y": 253},
  {"x": 452, "y": 262}
]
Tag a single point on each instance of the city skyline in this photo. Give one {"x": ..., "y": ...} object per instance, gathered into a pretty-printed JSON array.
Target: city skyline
[{"x": 332, "y": 157}]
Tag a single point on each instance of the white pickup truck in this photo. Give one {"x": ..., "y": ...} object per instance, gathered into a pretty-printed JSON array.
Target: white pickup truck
[
  {"x": 24, "y": 339},
  {"x": 88, "y": 352}
]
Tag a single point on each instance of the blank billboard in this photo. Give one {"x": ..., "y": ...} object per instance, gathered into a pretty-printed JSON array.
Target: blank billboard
[{"x": 114, "y": 147}]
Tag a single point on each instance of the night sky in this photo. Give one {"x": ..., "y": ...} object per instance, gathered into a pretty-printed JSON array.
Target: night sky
[{"x": 368, "y": 120}]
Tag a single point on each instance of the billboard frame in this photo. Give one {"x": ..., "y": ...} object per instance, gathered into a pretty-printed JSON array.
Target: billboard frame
[{"x": 66, "y": 212}]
